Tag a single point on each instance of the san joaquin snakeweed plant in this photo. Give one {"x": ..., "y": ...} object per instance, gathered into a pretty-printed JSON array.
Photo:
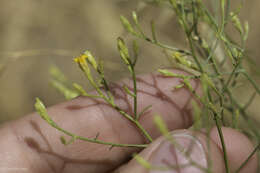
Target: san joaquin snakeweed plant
[{"x": 218, "y": 73}]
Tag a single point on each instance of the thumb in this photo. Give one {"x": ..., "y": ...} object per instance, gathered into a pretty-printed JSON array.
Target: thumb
[{"x": 192, "y": 152}]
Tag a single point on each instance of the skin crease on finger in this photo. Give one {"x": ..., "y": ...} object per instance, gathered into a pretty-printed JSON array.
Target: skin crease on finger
[
  {"x": 32, "y": 143},
  {"x": 238, "y": 148}
]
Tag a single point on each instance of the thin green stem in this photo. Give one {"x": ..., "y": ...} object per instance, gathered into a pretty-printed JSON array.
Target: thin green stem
[
  {"x": 188, "y": 34},
  {"x": 99, "y": 141},
  {"x": 230, "y": 77},
  {"x": 129, "y": 117},
  {"x": 194, "y": 54},
  {"x": 251, "y": 99},
  {"x": 248, "y": 158},
  {"x": 164, "y": 46},
  {"x": 222, "y": 144},
  {"x": 135, "y": 121},
  {"x": 221, "y": 137},
  {"x": 144, "y": 131},
  {"x": 222, "y": 4},
  {"x": 244, "y": 115},
  {"x": 227, "y": 10},
  {"x": 252, "y": 82},
  {"x": 142, "y": 112},
  {"x": 135, "y": 92}
]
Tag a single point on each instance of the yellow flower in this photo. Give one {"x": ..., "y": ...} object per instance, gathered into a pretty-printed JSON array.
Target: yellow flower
[
  {"x": 81, "y": 59},
  {"x": 86, "y": 57}
]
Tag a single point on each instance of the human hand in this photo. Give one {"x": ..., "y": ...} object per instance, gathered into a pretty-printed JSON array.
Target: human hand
[{"x": 31, "y": 145}]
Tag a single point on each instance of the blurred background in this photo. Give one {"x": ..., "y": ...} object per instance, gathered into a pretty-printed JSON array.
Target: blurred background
[{"x": 37, "y": 34}]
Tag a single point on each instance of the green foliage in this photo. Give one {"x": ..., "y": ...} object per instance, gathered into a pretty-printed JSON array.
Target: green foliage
[{"x": 205, "y": 31}]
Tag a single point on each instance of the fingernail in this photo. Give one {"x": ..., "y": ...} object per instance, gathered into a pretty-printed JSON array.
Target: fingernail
[{"x": 183, "y": 155}]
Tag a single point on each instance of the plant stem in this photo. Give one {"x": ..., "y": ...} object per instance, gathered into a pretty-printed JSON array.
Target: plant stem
[
  {"x": 143, "y": 131},
  {"x": 252, "y": 82},
  {"x": 170, "y": 48},
  {"x": 194, "y": 54},
  {"x": 164, "y": 46},
  {"x": 136, "y": 122},
  {"x": 135, "y": 91},
  {"x": 222, "y": 144},
  {"x": 99, "y": 141},
  {"x": 248, "y": 158}
]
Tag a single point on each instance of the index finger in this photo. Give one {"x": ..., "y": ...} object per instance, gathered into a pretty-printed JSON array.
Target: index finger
[{"x": 33, "y": 144}]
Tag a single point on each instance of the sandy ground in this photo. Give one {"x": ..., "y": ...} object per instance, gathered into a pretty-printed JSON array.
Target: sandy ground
[{"x": 35, "y": 34}]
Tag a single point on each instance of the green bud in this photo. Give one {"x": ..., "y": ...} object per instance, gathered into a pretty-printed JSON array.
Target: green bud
[
  {"x": 90, "y": 58},
  {"x": 41, "y": 110},
  {"x": 127, "y": 25},
  {"x": 123, "y": 50},
  {"x": 135, "y": 18},
  {"x": 236, "y": 21}
]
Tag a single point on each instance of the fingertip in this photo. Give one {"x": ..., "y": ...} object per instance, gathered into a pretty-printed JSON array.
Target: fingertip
[
  {"x": 189, "y": 153},
  {"x": 238, "y": 147}
]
